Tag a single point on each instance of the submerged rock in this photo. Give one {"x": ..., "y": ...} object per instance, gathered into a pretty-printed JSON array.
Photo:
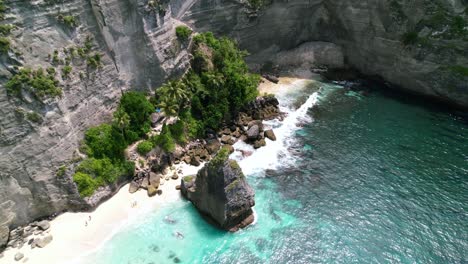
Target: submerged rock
[{"x": 221, "y": 192}]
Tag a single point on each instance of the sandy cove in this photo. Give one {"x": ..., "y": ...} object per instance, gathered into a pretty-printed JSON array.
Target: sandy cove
[{"x": 73, "y": 239}]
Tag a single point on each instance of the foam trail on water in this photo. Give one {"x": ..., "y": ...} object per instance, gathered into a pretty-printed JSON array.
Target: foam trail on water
[{"x": 275, "y": 153}]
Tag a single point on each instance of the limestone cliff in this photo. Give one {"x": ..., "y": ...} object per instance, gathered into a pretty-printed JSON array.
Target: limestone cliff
[
  {"x": 138, "y": 50},
  {"x": 420, "y": 45}
]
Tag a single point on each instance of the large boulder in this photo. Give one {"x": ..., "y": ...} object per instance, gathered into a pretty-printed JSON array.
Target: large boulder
[
  {"x": 212, "y": 145},
  {"x": 43, "y": 225},
  {"x": 42, "y": 242},
  {"x": 253, "y": 133},
  {"x": 221, "y": 193}
]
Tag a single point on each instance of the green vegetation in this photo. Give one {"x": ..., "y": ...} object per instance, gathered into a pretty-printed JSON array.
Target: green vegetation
[
  {"x": 61, "y": 171},
  {"x": 256, "y": 4},
  {"x": 35, "y": 81},
  {"x": 66, "y": 70},
  {"x": 188, "y": 178},
  {"x": 164, "y": 140},
  {"x": 94, "y": 61},
  {"x": 4, "y": 44},
  {"x": 220, "y": 158},
  {"x": 86, "y": 184},
  {"x": 213, "y": 92},
  {"x": 70, "y": 21},
  {"x": 105, "y": 144},
  {"x": 144, "y": 147},
  {"x": 34, "y": 117},
  {"x": 183, "y": 32},
  {"x": 458, "y": 69},
  {"x": 6, "y": 29},
  {"x": 134, "y": 111}
]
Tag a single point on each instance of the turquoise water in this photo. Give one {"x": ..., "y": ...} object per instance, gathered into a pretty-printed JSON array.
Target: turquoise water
[{"x": 362, "y": 180}]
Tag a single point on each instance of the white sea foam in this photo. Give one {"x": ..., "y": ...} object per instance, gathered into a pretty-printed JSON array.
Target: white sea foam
[{"x": 275, "y": 153}]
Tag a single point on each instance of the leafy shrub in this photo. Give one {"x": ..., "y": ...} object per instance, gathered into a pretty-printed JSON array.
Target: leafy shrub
[
  {"x": 40, "y": 84},
  {"x": 34, "y": 117},
  {"x": 138, "y": 109},
  {"x": 66, "y": 70},
  {"x": 4, "y": 44},
  {"x": 183, "y": 32},
  {"x": 70, "y": 21},
  {"x": 94, "y": 61},
  {"x": 164, "y": 140},
  {"x": 144, "y": 147},
  {"x": 6, "y": 29},
  {"x": 61, "y": 171},
  {"x": 104, "y": 170},
  {"x": 86, "y": 184},
  {"x": 104, "y": 141}
]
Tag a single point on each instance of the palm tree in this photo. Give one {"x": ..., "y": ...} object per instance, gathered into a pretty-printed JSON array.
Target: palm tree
[
  {"x": 121, "y": 120},
  {"x": 173, "y": 95}
]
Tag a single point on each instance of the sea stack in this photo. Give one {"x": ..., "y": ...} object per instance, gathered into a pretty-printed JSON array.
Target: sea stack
[{"x": 221, "y": 193}]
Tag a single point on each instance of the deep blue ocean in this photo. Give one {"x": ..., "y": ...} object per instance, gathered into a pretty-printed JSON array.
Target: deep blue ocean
[{"x": 379, "y": 178}]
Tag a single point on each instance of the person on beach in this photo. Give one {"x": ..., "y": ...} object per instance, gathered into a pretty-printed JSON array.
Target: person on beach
[
  {"x": 86, "y": 223},
  {"x": 90, "y": 218}
]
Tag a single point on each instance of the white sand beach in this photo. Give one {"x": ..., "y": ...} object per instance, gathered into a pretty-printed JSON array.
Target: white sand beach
[
  {"x": 267, "y": 87},
  {"x": 72, "y": 238}
]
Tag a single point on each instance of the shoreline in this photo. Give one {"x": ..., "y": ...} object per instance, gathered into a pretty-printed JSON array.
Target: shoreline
[{"x": 73, "y": 239}]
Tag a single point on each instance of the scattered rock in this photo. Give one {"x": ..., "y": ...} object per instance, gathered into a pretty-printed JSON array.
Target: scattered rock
[
  {"x": 144, "y": 183},
  {"x": 177, "y": 187},
  {"x": 152, "y": 191},
  {"x": 42, "y": 242},
  {"x": 271, "y": 78},
  {"x": 154, "y": 180},
  {"x": 259, "y": 143},
  {"x": 19, "y": 256},
  {"x": 270, "y": 135},
  {"x": 195, "y": 161},
  {"x": 175, "y": 176},
  {"x": 43, "y": 225},
  {"x": 176, "y": 260},
  {"x": 133, "y": 187},
  {"x": 253, "y": 132},
  {"x": 227, "y": 139}
]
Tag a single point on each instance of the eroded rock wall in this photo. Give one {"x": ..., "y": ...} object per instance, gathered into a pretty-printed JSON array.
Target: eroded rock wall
[
  {"x": 371, "y": 34},
  {"x": 139, "y": 51}
]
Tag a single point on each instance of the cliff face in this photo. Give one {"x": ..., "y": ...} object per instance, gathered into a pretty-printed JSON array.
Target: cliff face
[
  {"x": 139, "y": 51},
  {"x": 418, "y": 45}
]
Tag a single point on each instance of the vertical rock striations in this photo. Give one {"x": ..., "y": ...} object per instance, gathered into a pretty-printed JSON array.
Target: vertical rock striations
[{"x": 220, "y": 191}]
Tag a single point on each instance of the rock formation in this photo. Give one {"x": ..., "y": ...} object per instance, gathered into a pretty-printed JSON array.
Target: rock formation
[{"x": 221, "y": 192}]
